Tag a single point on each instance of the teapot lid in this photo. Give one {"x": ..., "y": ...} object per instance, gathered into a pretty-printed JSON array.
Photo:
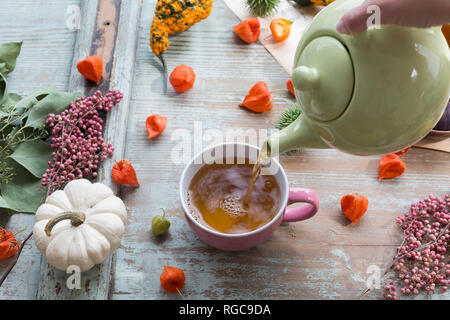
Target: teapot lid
[{"x": 324, "y": 79}]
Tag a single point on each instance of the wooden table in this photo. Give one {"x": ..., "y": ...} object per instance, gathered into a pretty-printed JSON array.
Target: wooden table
[{"x": 322, "y": 258}]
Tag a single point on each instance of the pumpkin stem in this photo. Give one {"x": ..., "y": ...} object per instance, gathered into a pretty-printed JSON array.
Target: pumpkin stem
[
  {"x": 166, "y": 76},
  {"x": 76, "y": 219}
]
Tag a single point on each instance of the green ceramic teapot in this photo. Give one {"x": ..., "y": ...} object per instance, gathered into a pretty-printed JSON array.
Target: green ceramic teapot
[{"x": 372, "y": 93}]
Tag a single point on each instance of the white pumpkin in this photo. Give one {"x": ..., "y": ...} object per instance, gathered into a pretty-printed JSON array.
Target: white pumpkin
[{"x": 80, "y": 225}]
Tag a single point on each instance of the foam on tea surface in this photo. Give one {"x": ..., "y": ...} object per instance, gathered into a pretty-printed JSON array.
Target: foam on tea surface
[
  {"x": 216, "y": 198},
  {"x": 233, "y": 206}
]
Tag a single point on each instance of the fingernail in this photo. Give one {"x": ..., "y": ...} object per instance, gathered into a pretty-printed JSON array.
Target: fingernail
[{"x": 342, "y": 28}]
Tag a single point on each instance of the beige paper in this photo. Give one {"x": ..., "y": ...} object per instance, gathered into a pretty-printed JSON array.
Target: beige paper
[
  {"x": 284, "y": 51},
  {"x": 435, "y": 141}
]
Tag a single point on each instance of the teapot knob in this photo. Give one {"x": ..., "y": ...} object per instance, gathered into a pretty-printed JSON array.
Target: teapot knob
[
  {"x": 323, "y": 78},
  {"x": 305, "y": 78}
]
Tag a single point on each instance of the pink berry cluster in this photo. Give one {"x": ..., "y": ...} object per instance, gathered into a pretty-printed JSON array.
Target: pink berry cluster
[
  {"x": 77, "y": 140},
  {"x": 422, "y": 260}
]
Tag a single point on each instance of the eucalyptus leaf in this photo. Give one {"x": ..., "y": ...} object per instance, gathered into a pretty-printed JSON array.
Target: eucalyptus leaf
[
  {"x": 4, "y": 204},
  {"x": 24, "y": 154},
  {"x": 24, "y": 193},
  {"x": 8, "y": 56},
  {"x": 33, "y": 156},
  {"x": 37, "y": 95},
  {"x": 11, "y": 99},
  {"x": 55, "y": 102}
]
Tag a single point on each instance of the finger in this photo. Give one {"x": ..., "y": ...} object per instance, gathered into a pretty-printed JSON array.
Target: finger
[
  {"x": 354, "y": 21},
  {"x": 409, "y": 13},
  {"x": 415, "y": 13}
]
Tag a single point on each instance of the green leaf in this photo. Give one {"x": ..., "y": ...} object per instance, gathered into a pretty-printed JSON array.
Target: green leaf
[
  {"x": 33, "y": 156},
  {"x": 11, "y": 99},
  {"x": 4, "y": 204},
  {"x": 24, "y": 193},
  {"x": 28, "y": 101},
  {"x": 8, "y": 56},
  {"x": 55, "y": 102}
]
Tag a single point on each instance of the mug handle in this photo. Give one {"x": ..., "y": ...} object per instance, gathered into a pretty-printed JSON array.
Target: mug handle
[{"x": 304, "y": 212}]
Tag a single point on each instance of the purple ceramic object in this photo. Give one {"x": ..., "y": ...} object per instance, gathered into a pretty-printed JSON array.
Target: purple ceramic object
[{"x": 444, "y": 122}]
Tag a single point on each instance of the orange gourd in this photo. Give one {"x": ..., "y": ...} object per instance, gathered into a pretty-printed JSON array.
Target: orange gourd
[{"x": 173, "y": 16}]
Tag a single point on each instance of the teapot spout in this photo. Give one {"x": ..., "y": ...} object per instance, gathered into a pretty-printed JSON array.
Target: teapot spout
[{"x": 298, "y": 134}]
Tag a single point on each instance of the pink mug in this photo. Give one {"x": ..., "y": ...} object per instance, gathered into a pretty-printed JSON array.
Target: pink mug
[{"x": 243, "y": 241}]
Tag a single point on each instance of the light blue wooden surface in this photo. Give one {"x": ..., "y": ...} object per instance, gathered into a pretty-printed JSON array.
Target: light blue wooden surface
[
  {"x": 45, "y": 60},
  {"x": 324, "y": 258},
  {"x": 109, "y": 30}
]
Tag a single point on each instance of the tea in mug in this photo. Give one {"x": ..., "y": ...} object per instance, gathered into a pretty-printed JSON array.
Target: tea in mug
[{"x": 216, "y": 198}]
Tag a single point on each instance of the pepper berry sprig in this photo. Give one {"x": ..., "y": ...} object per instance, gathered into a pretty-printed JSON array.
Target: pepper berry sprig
[
  {"x": 421, "y": 263},
  {"x": 77, "y": 140}
]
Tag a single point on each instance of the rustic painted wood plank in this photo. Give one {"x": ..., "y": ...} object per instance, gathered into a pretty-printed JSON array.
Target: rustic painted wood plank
[
  {"x": 114, "y": 39},
  {"x": 323, "y": 258},
  {"x": 47, "y": 48}
]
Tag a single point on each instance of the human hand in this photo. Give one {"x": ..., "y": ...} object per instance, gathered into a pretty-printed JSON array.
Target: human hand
[{"x": 408, "y": 13}]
